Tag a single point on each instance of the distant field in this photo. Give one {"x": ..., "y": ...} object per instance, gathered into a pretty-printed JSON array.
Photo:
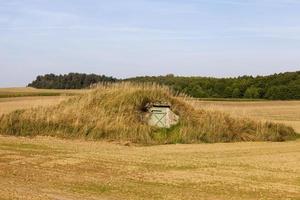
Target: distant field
[
  {"x": 27, "y": 91},
  {"x": 287, "y": 112},
  {"x": 46, "y": 168},
  {"x": 8, "y": 105}
]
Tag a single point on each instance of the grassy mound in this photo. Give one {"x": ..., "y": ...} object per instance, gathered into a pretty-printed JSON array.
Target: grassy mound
[{"x": 115, "y": 111}]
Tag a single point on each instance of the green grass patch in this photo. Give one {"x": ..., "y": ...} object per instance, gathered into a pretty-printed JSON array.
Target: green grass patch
[
  {"x": 30, "y": 149},
  {"x": 90, "y": 188},
  {"x": 14, "y": 146}
]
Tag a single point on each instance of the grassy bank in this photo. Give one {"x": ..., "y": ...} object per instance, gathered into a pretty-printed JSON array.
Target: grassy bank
[{"x": 115, "y": 112}]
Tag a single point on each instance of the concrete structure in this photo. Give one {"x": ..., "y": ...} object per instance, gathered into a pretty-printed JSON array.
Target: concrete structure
[{"x": 161, "y": 115}]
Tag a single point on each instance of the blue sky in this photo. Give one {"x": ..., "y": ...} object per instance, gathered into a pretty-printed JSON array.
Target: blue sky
[{"x": 126, "y": 38}]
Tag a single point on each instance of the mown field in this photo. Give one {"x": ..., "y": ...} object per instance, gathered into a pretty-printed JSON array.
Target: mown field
[
  {"x": 50, "y": 168},
  {"x": 47, "y": 168},
  {"x": 287, "y": 112},
  {"x": 26, "y": 97},
  {"x": 28, "y": 91},
  {"x": 8, "y": 105}
]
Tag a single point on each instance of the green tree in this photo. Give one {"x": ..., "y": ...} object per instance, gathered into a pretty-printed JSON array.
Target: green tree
[
  {"x": 279, "y": 92},
  {"x": 228, "y": 92},
  {"x": 236, "y": 93},
  {"x": 198, "y": 92},
  {"x": 252, "y": 93}
]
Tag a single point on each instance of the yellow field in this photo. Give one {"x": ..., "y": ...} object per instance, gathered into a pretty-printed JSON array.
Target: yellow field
[
  {"x": 8, "y": 105},
  {"x": 287, "y": 112},
  {"x": 28, "y": 91},
  {"x": 49, "y": 168},
  {"x": 25, "y": 97}
]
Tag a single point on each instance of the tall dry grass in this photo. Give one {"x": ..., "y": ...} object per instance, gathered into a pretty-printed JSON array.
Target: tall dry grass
[{"x": 115, "y": 112}]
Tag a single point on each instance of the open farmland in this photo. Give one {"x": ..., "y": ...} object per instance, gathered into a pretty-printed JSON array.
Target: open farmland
[
  {"x": 287, "y": 112},
  {"x": 28, "y": 91},
  {"x": 8, "y": 105},
  {"x": 26, "y": 97},
  {"x": 48, "y": 168}
]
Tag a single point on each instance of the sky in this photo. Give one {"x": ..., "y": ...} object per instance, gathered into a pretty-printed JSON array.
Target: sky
[{"x": 125, "y": 38}]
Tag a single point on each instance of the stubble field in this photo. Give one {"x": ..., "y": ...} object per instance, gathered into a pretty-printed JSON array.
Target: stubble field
[
  {"x": 50, "y": 168},
  {"x": 8, "y": 105},
  {"x": 287, "y": 112},
  {"x": 31, "y": 92}
]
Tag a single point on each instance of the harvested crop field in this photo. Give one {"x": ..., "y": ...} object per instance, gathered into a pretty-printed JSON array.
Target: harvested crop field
[
  {"x": 48, "y": 168},
  {"x": 287, "y": 112},
  {"x": 28, "y": 91},
  {"x": 8, "y": 105}
]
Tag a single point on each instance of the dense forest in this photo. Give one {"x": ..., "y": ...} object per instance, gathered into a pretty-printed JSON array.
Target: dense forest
[
  {"x": 69, "y": 81},
  {"x": 283, "y": 86},
  {"x": 275, "y": 87}
]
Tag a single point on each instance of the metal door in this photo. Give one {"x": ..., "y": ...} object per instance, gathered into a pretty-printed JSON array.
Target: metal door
[{"x": 158, "y": 118}]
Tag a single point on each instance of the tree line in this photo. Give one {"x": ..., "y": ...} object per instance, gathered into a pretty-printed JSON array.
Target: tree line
[
  {"x": 69, "y": 81},
  {"x": 282, "y": 86}
]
